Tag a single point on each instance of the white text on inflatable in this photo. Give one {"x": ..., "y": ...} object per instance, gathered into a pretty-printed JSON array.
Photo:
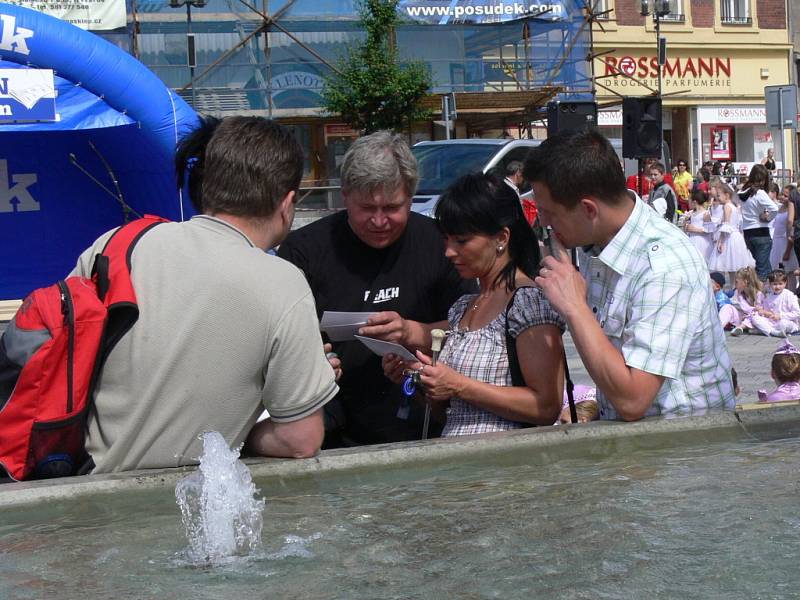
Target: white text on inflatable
[
  {"x": 14, "y": 194},
  {"x": 13, "y": 38}
]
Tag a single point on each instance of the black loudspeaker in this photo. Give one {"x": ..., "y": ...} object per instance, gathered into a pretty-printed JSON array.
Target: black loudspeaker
[
  {"x": 570, "y": 116},
  {"x": 641, "y": 127}
]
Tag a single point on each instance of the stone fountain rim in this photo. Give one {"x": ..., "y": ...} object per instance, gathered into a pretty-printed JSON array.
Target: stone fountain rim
[{"x": 568, "y": 439}]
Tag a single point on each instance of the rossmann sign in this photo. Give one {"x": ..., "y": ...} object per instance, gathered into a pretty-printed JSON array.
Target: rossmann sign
[{"x": 677, "y": 72}]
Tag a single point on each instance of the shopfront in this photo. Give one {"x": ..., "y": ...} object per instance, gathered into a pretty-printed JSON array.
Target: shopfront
[
  {"x": 737, "y": 134},
  {"x": 713, "y": 100}
]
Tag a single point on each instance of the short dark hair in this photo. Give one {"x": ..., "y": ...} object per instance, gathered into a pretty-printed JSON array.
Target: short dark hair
[
  {"x": 778, "y": 275},
  {"x": 577, "y": 165},
  {"x": 774, "y": 188},
  {"x": 658, "y": 166},
  {"x": 699, "y": 195},
  {"x": 718, "y": 277},
  {"x": 483, "y": 204},
  {"x": 241, "y": 166}
]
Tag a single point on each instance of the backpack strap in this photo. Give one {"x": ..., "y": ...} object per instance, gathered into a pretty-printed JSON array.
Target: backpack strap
[
  {"x": 516, "y": 371},
  {"x": 119, "y": 247},
  {"x": 517, "y": 379},
  {"x": 112, "y": 276}
]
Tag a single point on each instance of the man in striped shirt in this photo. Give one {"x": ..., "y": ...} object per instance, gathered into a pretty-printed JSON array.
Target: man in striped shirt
[{"x": 643, "y": 316}]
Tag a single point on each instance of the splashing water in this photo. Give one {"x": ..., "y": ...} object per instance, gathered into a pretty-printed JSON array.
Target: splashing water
[{"x": 219, "y": 510}]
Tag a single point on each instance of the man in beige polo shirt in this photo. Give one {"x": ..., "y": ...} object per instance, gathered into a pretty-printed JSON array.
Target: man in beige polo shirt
[{"x": 225, "y": 330}]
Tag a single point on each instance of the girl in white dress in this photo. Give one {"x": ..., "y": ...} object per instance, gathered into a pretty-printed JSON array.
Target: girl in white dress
[
  {"x": 695, "y": 224},
  {"x": 729, "y": 252},
  {"x": 782, "y": 255}
]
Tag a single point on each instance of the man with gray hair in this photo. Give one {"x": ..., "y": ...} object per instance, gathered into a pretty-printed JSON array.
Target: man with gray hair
[
  {"x": 514, "y": 176},
  {"x": 378, "y": 257}
]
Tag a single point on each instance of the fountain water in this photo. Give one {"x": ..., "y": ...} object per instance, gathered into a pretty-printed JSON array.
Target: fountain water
[{"x": 220, "y": 513}]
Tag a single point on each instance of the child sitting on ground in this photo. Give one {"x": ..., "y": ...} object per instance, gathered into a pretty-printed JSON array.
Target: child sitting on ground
[
  {"x": 785, "y": 373},
  {"x": 746, "y": 298},
  {"x": 717, "y": 281},
  {"x": 779, "y": 314}
]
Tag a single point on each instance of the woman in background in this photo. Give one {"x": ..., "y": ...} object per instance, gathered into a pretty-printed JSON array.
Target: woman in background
[{"x": 758, "y": 210}]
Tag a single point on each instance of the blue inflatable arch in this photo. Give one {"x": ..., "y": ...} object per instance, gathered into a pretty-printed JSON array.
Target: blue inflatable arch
[{"x": 63, "y": 183}]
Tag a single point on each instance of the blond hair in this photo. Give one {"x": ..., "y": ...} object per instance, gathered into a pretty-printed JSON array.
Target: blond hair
[{"x": 752, "y": 283}]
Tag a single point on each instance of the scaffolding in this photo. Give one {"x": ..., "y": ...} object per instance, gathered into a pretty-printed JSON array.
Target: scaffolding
[{"x": 272, "y": 60}]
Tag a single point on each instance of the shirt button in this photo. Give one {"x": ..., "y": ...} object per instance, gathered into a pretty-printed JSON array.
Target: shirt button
[
  {"x": 594, "y": 309},
  {"x": 602, "y": 323}
]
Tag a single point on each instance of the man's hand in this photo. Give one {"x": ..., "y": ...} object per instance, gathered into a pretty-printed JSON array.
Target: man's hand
[
  {"x": 393, "y": 367},
  {"x": 388, "y": 326},
  {"x": 333, "y": 360},
  {"x": 563, "y": 286}
]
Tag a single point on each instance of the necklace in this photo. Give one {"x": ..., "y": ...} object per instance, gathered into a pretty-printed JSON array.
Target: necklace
[{"x": 478, "y": 299}]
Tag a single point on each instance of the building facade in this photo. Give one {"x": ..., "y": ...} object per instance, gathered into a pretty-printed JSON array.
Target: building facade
[
  {"x": 499, "y": 57},
  {"x": 720, "y": 55}
]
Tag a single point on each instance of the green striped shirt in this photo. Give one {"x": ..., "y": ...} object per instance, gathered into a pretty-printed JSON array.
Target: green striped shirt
[{"x": 650, "y": 290}]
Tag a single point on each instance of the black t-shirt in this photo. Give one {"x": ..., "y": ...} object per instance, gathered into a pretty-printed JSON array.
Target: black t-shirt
[{"x": 412, "y": 277}]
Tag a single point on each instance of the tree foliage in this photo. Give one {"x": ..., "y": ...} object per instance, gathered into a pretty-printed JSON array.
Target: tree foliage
[{"x": 373, "y": 90}]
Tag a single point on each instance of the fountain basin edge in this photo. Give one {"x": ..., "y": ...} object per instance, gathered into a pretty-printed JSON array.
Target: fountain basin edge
[{"x": 544, "y": 444}]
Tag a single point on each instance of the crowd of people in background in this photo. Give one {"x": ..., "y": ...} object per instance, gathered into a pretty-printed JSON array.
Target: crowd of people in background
[{"x": 746, "y": 231}]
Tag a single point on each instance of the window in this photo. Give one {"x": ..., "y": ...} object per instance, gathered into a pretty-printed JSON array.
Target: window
[
  {"x": 675, "y": 12},
  {"x": 599, "y": 8},
  {"x": 736, "y": 12}
]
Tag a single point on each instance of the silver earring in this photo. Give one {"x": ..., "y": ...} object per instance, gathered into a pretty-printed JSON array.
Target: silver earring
[{"x": 500, "y": 249}]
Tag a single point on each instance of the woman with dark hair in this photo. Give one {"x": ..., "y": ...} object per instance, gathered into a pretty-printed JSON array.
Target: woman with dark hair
[
  {"x": 501, "y": 366},
  {"x": 758, "y": 210}
]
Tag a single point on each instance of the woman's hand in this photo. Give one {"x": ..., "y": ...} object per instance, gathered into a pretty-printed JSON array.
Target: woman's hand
[
  {"x": 720, "y": 247},
  {"x": 393, "y": 367},
  {"x": 440, "y": 382}
]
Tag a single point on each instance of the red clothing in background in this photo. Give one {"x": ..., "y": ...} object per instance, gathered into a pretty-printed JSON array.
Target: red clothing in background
[{"x": 633, "y": 184}]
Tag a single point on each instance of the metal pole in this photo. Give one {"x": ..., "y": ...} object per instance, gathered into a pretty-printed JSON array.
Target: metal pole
[
  {"x": 191, "y": 63},
  {"x": 446, "y": 109},
  {"x": 780, "y": 131},
  {"x": 657, "y": 20}
]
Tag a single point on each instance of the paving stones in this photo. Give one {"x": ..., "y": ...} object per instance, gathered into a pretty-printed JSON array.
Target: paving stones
[{"x": 751, "y": 355}]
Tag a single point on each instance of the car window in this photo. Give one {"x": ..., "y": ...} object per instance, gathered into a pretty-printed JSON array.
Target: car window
[{"x": 441, "y": 164}]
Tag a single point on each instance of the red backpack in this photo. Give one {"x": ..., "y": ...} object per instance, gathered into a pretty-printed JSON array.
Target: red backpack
[{"x": 51, "y": 354}]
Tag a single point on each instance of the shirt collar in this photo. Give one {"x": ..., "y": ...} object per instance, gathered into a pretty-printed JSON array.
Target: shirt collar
[
  {"x": 222, "y": 226},
  {"x": 617, "y": 253}
]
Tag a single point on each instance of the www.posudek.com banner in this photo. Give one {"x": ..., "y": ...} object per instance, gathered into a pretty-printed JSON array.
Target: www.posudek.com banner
[
  {"x": 443, "y": 12},
  {"x": 96, "y": 15}
]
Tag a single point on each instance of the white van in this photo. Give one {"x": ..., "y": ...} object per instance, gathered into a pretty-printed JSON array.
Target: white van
[{"x": 444, "y": 161}]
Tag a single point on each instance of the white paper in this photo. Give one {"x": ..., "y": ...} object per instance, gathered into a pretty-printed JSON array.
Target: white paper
[
  {"x": 342, "y": 326},
  {"x": 382, "y": 348}
]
